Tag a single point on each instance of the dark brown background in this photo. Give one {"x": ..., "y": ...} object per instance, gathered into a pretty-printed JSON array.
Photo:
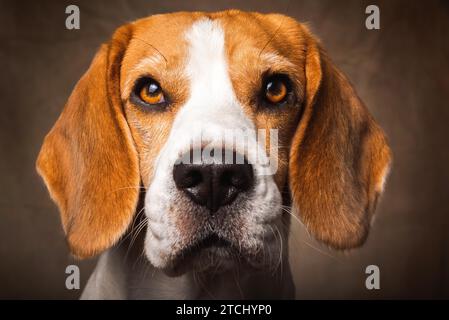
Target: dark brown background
[{"x": 400, "y": 71}]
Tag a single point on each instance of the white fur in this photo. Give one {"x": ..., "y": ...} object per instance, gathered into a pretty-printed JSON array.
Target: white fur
[{"x": 383, "y": 178}]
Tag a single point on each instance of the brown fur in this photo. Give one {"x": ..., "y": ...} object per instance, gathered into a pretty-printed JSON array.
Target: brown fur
[
  {"x": 88, "y": 160},
  {"x": 338, "y": 157}
]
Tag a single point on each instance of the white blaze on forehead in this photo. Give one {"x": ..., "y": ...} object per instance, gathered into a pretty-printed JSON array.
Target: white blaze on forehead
[
  {"x": 212, "y": 96},
  {"x": 207, "y": 67}
]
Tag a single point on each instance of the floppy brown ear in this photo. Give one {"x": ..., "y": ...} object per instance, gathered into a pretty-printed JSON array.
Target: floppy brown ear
[
  {"x": 339, "y": 157},
  {"x": 88, "y": 160}
]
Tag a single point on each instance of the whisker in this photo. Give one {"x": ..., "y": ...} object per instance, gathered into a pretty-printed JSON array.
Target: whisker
[
  {"x": 273, "y": 272},
  {"x": 139, "y": 228},
  {"x": 142, "y": 224},
  {"x": 281, "y": 249},
  {"x": 236, "y": 275},
  {"x": 141, "y": 258},
  {"x": 136, "y": 217},
  {"x": 147, "y": 43},
  {"x": 201, "y": 285},
  {"x": 274, "y": 34},
  {"x": 288, "y": 210},
  {"x": 130, "y": 187}
]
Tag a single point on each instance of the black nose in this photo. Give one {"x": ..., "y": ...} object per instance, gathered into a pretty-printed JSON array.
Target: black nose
[{"x": 213, "y": 185}]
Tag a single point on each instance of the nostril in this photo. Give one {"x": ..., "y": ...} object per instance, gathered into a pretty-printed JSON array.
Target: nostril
[
  {"x": 192, "y": 179},
  {"x": 231, "y": 180},
  {"x": 239, "y": 182},
  {"x": 226, "y": 178},
  {"x": 243, "y": 180},
  {"x": 238, "y": 176},
  {"x": 186, "y": 176}
]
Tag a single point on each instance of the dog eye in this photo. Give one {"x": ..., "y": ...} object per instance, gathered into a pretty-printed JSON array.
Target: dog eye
[
  {"x": 276, "y": 89},
  {"x": 150, "y": 92}
]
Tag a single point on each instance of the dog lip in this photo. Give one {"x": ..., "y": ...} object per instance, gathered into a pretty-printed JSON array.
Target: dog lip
[
  {"x": 210, "y": 241},
  {"x": 185, "y": 257}
]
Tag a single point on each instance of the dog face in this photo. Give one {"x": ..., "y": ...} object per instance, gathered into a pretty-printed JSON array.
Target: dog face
[
  {"x": 213, "y": 97},
  {"x": 221, "y": 117}
]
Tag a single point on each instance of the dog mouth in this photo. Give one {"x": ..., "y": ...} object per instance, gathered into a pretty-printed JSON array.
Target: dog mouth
[
  {"x": 201, "y": 254},
  {"x": 212, "y": 240}
]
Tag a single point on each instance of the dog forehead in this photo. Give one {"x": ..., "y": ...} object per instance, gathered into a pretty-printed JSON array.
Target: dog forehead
[{"x": 245, "y": 35}]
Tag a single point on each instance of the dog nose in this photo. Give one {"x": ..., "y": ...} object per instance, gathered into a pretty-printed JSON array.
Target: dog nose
[{"x": 213, "y": 185}]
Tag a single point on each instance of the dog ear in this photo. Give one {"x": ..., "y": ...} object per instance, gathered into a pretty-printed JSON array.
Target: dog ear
[
  {"x": 339, "y": 157},
  {"x": 88, "y": 159}
]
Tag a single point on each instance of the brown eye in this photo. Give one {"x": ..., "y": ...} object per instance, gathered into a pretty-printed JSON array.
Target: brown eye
[
  {"x": 276, "y": 89},
  {"x": 151, "y": 93}
]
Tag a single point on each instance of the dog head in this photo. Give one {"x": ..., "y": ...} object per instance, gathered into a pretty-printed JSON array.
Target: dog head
[{"x": 222, "y": 118}]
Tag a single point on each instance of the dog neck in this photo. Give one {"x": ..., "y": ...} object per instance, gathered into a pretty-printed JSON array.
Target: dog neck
[{"x": 123, "y": 272}]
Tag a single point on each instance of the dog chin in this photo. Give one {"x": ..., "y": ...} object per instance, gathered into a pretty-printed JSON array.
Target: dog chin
[
  {"x": 216, "y": 255},
  {"x": 213, "y": 255}
]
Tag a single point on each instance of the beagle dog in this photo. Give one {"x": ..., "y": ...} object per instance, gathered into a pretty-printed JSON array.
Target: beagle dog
[{"x": 141, "y": 141}]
